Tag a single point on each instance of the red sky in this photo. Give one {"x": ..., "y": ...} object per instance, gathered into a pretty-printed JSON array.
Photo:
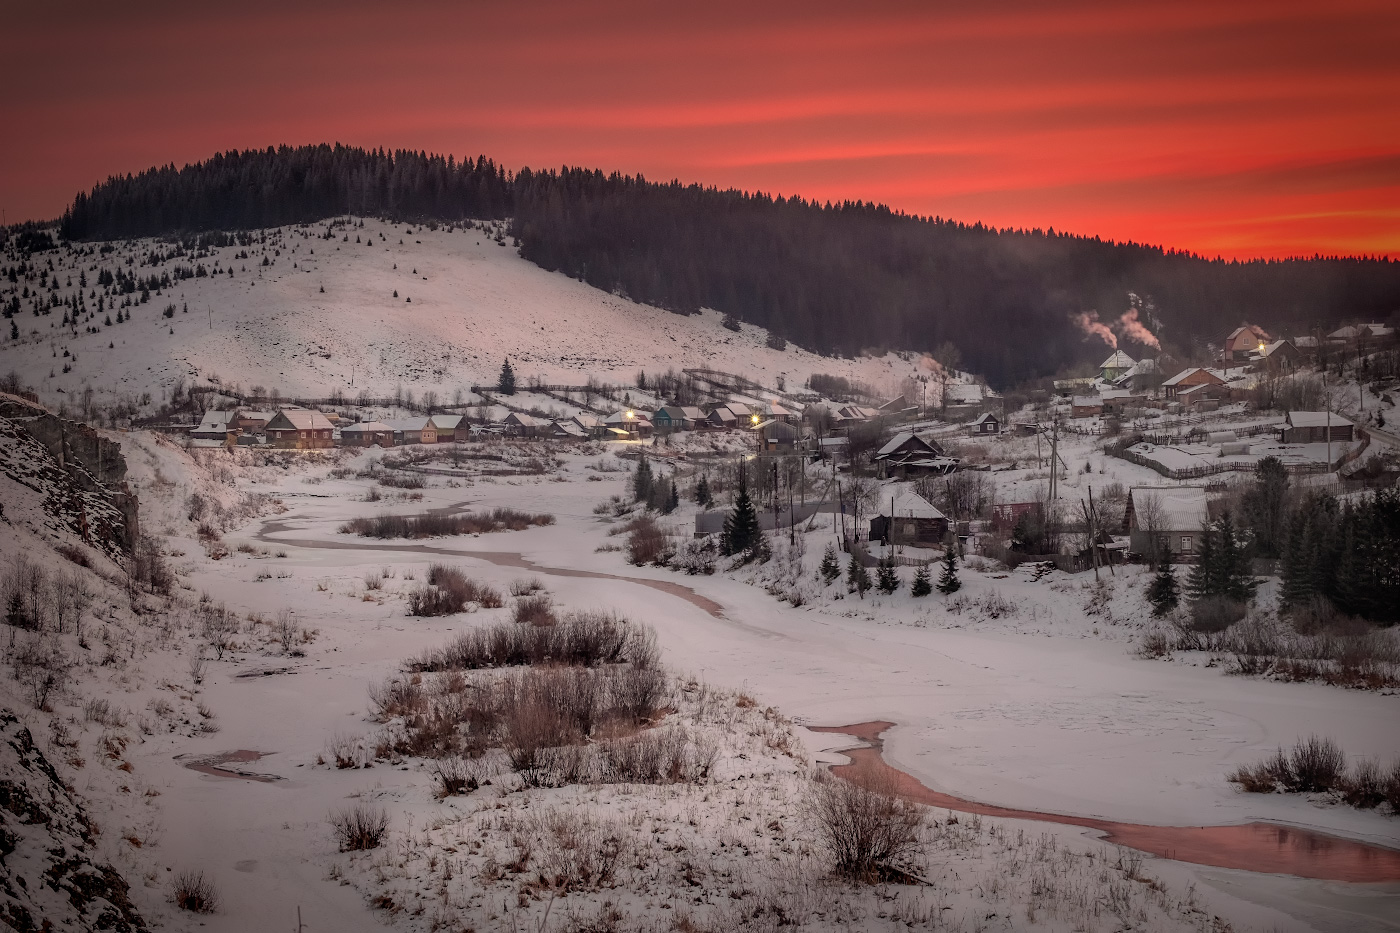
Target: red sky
[{"x": 1240, "y": 129}]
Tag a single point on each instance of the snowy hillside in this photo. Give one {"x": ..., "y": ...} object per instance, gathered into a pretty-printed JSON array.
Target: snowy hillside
[{"x": 323, "y": 315}]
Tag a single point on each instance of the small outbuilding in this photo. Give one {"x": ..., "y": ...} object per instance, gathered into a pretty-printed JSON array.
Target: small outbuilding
[
  {"x": 910, "y": 519},
  {"x": 1314, "y": 427}
]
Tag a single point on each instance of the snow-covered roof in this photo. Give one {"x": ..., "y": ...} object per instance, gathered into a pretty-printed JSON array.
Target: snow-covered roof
[
  {"x": 1349, "y": 332},
  {"x": 1118, "y": 360},
  {"x": 898, "y": 441},
  {"x": 1317, "y": 419},
  {"x": 983, "y": 418},
  {"x": 620, "y": 417},
  {"x": 739, "y": 408},
  {"x": 1183, "y": 508},
  {"x": 304, "y": 419},
  {"x": 446, "y": 422},
  {"x": 522, "y": 419},
  {"x": 365, "y": 427},
  {"x": 587, "y": 422},
  {"x": 909, "y": 504},
  {"x": 692, "y": 413},
  {"x": 1087, "y": 401},
  {"x": 216, "y": 420},
  {"x": 965, "y": 392},
  {"x": 407, "y": 424},
  {"x": 1174, "y": 380},
  {"x": 568, "y": 427}
]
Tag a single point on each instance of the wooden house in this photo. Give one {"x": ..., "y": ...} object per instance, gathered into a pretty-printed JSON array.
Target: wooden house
[
  {"x": 631, "y": 422},
  {"x": 909, "y": 519},
  {"x": 985, "y": 425},
  {"x": 1173, "y": 515},
  {"x": 907, "y": 454},
  {"x": 565, "y": 431},
  {"x": 367, "y": 434},
  {"x": 1243, "y": 342},
  {"x": 300, "y": 429},
  {"x": 449, "y": 428},
  {"x": 1116, "y": 365},
  {"x": 252, "y": 420},
  {"x": 413, "y": 431},
  {"x": 519, "y": 424},
  {"x": 671, "y": 418},
  {"x": 1281, "y": 356},
  {"x": 1196, "y": 375},
  {"x": 722, "y": 417},
  {"x": 1313, "y": 427},
  {"x": 1086, "y": 406},
  {"x": 590, "y": 425},
  {"x": 214, "y": 426},
  {"x": 778, "y": 435}
]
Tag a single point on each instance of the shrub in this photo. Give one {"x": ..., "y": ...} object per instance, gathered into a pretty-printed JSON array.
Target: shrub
[
  {"x": 360, "y": 827},
  {"x": 456, "y": 775},
  {"x": 1317, "y": 765},
  {"x": 41, "y": 667},
  {"x": 533, "y": 610},
  {"x": 1216, "y": 613},
  {"x": 195, "y": 892},
  {"x": 526, "y": 587},
  {"x": 1392, "y": 786},
  {"x": 1364, "y": 787},
  {"x": 646, "y": 542},
  {"x": 866, "y": 826},
  {"x": 579, "y": 638},
  {"x": 1265, "y": 777},
  {"x": 432, "y": 524},
  {"x": 450, "y": 591}
]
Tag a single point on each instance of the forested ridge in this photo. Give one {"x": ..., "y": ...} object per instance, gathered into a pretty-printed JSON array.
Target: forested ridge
[{"x": 835, "y": 278}]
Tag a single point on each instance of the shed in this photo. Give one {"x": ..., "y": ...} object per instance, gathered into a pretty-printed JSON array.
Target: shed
[{"x": 1312, "y": 427}]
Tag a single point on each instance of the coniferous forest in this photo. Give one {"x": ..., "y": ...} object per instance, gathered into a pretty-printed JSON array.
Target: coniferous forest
[{"x": 834, "y": 278}]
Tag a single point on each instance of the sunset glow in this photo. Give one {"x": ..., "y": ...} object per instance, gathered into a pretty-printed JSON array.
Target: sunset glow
[{"x": 1245, "y": 129}]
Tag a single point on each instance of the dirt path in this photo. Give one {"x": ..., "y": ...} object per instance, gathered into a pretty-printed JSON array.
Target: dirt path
[{"x": 1259, "y": 847}]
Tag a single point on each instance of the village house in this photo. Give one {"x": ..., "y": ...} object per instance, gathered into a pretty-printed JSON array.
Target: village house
[
  {"x": 671, "y": 418},
  {"x": 898, "y": 405},
  {"x": 721, "y": 417},
  {"x": 251, "y": 420},
  {"x": 300, "y": 429},
  {"x": 367, "y": 434},
  {"x": 775, "y": 411},
  {"x": 590, "y": 425},
  {"x": 909, "y": 519},
  {"x": 1085, "y": 406},
  {"x": 1203, "y": 396},
  {"x": 628, "y": 423},
  {"x": 1187, "y": 378},
  {"x": 1281, "y": 356},
  {"x": 1313, "y": 427},
  {"x": 1241, "y": 343},
  {"x": 1173, "y": 515},
  {"x": 986, "y": 424},
  {"x": 519, "y": 424},
  {"x": 778, "y": 436},
  {"x": 413, "y": 431},
  {"x": 214, "y": 426},
  {"x": 908, "y": 454},
  {"x": 450, "y": 428},
  {"x": 565, "y": 431},
  {"x": 1141, "y": 378},
  {"x": 1116, "y": 365}
]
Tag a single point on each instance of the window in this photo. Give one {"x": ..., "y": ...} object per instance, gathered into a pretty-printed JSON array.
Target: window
[{"x": 1186, "y": 544}]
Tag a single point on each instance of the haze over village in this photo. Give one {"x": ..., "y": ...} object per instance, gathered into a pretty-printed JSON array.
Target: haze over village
[{"x": 398, "y": 537}]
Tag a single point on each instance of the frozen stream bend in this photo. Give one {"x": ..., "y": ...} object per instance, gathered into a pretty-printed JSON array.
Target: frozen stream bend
[{"x": 1007, "y": 720}]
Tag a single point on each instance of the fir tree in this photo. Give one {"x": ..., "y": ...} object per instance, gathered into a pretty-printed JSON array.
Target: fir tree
[
  {"x": 922, "y": 585},
  {"x": 14, "y": 330},
  {"x": 673, "y": 499},
  {"x": 857, "y": 577},
  {"x": 1204, "y": 578},
  {"x": 886, "y": 579},
  {"x": 1236, "y": 575},
  {"x": 506, "y": 383},
  {"x": 831, "y": 565},
  {"x": 15, "y": 616},
  {"x": 948, "y": 582},
  {"x": 741, "y": 529},
  {"x": 703, "y": 496},
  {"x": 1163, "y": 592},
  {"x": 642, "y": 481}
]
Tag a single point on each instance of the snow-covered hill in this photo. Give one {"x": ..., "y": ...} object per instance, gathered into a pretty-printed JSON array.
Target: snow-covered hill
[{"x": 322, "y": 315}]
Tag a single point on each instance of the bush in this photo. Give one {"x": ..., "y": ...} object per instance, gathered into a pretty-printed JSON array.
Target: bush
[
  {"x": 456, "y": 776},
  {"x": 359, "y": 828},
  {"x": 527, "y": 587},
  {"x": 1317, "y": 765},
  {"x": 41, "y": 667},
  {"x": 866, "y": 826},
  {"x": 432, "y": 525},
  {"x": 1265, "y": 777},
  {"x": 1216, "y": 613},
  {"x": 534, "y": 610},
  {"x": 450, "y": 591},
  {"x": 646, "y": 542},
  {"x": 581, "y": 639},
  {"x": 1364, "y": 787},
  {"x": 194, "y": 891}
]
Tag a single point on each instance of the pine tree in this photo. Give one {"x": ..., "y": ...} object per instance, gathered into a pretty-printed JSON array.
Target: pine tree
[
  {"x": 741, "y": 529},
  {"x": 922, "y": 585},
  {"x": 642, "y": 481},
  {"x": 703, "y": 496},
  {"x": 1163, "y": 592},
  {"x": 831, "y": 566},
  {"x": 506, "y": 384},
  {"x": 857, "y": 577},
  {"x": 948, "y": 582},
  {"x": 886, "y": 579}
]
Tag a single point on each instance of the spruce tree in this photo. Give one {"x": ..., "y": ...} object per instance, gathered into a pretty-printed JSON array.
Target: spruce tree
[
  {"x": 642, "y": 481},
  {"x": 741, "y": 529},
  {"x": 831, "y": 565},
  {"x": 15, "y": 616},
  {"x": 506, "y": 384},
  {"x": 1163, "y": 592},
  {"x": 1203, "y": 580},
  {"x": 886, "y": 579},
  {"x": 857, "y": 577},
  {"x": 948, "y": 582},
  {"x": 703, "y": 496},
  {"x": 922, "y": 585},
  {"x": 673, "y": 499},
  {"x": 1236, "y": 576}
]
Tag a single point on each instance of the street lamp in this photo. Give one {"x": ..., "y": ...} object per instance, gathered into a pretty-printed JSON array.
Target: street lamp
[{"x": 630, "y": 415}]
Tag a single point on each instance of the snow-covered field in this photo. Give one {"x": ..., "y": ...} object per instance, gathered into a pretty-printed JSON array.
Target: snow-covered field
[
  {"x": 1041, "y": 706},
  {"x": 323, "y": 316}
]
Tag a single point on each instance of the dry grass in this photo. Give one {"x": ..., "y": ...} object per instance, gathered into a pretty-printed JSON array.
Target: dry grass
[
  {"x": 195, "y": 892},
  {"x": 432, "y": 525},
  {"x": 360, "y": 827}
]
